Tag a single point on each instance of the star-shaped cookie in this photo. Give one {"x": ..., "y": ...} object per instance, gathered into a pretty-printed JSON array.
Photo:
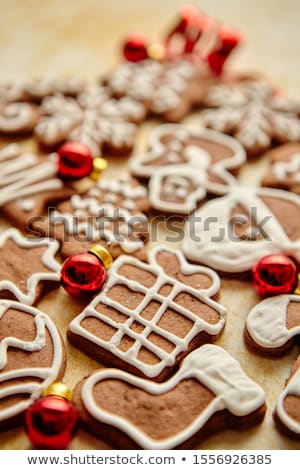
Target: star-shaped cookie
[{"x": 27, "y": 266}]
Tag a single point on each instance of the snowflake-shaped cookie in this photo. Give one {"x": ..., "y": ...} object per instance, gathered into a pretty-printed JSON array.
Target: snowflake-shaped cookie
[
  {"x": 254, "y": 113},
  {"x": 168, "y": 89},
  {"x": 94, "y": 118}
]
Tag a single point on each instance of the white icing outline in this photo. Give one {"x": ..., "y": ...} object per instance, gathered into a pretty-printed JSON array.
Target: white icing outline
[
  {"x": 181, "y": 344},
  {"x": 292, "y": 388},
  {"x": 211, "y": 366},
  {"x": 237, "y": 255},
  {"x": 49, "y": 375},
  {"x": 271, "y": 311},
  {"x": 47, "y": 259},
  {"x": 191, "y": 170}
]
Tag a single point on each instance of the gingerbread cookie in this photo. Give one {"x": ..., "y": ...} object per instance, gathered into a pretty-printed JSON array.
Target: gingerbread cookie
[
  {"x": 94, "y": 118},
  {"x": 27, "y": 266},
  {"x": 183, "y": 164},
  {"x": 111, "y": 213},
  {"x": 149, "y": 316},
  {"x": 32, "y": 357},
  {"x": 28, "y": 185},
  {"x": 273, "y": 325},
  {"x": 287, "y": 411},
  {"x": 254, "y": 113},
  {"x": 19, "y": 110},
  {"x": 209, "y": 392},
  {"x": 232, "y": 233},
  {"x": 168, "y": 89},
  {"x": 284, "y": 168}
]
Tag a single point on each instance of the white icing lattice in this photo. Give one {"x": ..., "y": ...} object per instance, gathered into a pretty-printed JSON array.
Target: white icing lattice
[{"x": 165, "y": 359}]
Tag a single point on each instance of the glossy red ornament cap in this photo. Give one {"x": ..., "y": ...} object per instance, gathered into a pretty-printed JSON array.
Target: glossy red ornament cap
[
  {"x": 82, "y": 274},
  {"x": 75, "y": 161},
  {"x": 274, "y": 275},
  {"x": 51, "y": 423},
  {"x": 135, "y": 47}
]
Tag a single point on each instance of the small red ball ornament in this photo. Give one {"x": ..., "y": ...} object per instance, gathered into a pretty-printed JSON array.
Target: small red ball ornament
[
  {"x": 135, "y": 47},
  {"x": 274, "y": 275},
  {"x": 75, "y": 161},
  {"x": 84, "y": 273},
  {"x": 51, "y": 422}
]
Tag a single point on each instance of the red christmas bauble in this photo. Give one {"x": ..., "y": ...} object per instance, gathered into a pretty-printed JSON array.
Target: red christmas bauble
[
  {"x": 135, "y": 47},
  {"x": 51, "y": 423},
  {"x": 82, "y": 274},
  {"x": 75, "y": 160},
  {"x": 274, "y": 275}
]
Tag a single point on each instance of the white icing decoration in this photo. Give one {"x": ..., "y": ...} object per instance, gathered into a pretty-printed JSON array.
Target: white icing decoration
[
  {"x": 23, "y": 175},
  {"x": 292, "y": 388},
  {"x": 46, "y": 375},
  {"x": 47, "y": 259},
  {"x": 211, "y": 366},
  {"x": 89, "y": 208},
  {"x": 252, "y": 113},
  {"x": 271, "y": 311},
  {"x": 162, "y": 84},
  {"x": 88, "y": 122},
  {"x": 194, "y": 168},
  {"x": 282, "y": 170},
  {"x": 215, "y": 244},
  {"x": 15, "y": 117},
  {"x": 166, "y": 359}
]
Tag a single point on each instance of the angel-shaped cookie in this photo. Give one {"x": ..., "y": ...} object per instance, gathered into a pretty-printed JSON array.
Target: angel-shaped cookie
[
  {"x": 32, "y": 357},
  {"x": 208, "y": 393},
  {"x": 149, "y": 316},
  {"x": 182, "y": 165}
]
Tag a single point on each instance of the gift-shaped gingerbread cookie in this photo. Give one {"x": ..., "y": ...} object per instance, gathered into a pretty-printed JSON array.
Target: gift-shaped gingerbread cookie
[
  {"x": 182, "y": 165},
  {"x": 273, "y": 325},
  {"x": 28, "y": 185},
  {"x": 232, "y": 233},
  {"x": 112, "y": 213},
  {"x": 284, "y": 169},
  {"x": 27, "y": 266},
  {"x": 209, "y": 392},
  {"x": 287, "y": 411},
  {"x": 32, "y": 357},
  {"x": 149, "y": 316}
]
